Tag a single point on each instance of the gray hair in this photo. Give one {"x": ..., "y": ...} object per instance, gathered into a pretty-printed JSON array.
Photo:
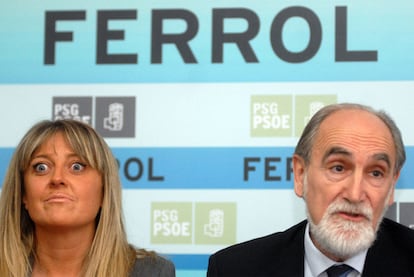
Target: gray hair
[{"x": 306, "y": 141}]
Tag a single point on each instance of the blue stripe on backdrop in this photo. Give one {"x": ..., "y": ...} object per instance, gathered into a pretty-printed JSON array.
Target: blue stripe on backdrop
[
  {"x": 5, "y": 156},
  {"x": 191, "y": 273},
  {"x": 189, "y": 261},
  {"x": 210, "y": 167}
]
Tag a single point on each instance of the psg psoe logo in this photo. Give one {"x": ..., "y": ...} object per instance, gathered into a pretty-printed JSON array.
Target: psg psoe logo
[
  {"x": 284, "y": 115},
  {"x": 77, "y": 108},
  {"x": 114, "y": 116},
  {"x": 115, "y": 119},
  {"x": 200, "y": 223}
]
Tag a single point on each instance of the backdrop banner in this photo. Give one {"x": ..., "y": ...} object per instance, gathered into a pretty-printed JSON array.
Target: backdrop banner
[{"x": 202, "y": 102}]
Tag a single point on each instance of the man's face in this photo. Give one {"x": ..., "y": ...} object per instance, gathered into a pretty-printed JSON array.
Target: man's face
[{"x": 349, "y": 181}]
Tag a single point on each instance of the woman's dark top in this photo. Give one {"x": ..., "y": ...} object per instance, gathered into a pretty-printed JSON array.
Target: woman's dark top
[{"x": 155, "y": 266}]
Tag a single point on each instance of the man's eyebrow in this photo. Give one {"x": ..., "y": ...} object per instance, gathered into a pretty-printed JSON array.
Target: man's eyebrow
[
  {"x": 336, "y": 150},
  {"x": 342, "y": 151},
  {"x": 383, "y": 157}
]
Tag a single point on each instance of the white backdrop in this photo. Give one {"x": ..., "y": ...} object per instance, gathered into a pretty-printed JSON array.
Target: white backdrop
[{"x": 198, "y": 173}]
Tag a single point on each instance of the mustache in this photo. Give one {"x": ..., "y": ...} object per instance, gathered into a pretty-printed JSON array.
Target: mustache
[{"x": 343, "y": 206}]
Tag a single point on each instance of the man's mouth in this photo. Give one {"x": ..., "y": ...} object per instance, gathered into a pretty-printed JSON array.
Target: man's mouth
[{"x": 352, "y": 216}]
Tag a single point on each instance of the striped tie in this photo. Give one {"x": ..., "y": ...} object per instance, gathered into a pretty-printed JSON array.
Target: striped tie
[{"x": 341, "y": 270}]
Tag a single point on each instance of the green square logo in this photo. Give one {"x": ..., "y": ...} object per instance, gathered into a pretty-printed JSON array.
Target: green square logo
[
  {"x": 215, "y": 223},
  {"x": 171, "y": 222},
  {"x": 271, "y": 116},
  {"x": 307, "y": 106}
]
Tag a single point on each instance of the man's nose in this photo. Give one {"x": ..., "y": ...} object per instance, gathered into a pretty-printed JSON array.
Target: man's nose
[{"x": 355, "y": 188}]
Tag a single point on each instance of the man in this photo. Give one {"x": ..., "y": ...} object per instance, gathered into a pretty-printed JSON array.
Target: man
[{"x": 345, "y": 166}]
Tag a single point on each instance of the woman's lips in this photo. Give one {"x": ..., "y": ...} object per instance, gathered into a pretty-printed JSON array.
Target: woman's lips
[{"x": 58, "y": 198}]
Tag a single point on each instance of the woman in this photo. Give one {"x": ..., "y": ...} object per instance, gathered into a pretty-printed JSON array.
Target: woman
[{"x": 60, "y": 209}]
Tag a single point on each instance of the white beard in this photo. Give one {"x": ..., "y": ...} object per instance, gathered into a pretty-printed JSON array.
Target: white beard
[{"x": 344, "y": 238}]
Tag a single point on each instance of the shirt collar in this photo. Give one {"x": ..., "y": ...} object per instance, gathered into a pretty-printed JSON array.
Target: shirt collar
[{"x": 318, "y": 262}]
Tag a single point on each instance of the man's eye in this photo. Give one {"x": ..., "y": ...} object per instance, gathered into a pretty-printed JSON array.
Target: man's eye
[
  {"x": 338, "y": 168},
  {"x": 78, "y": 166},
  {"x": 377, "y": 173},
  {"x": 40, "y": 167}
]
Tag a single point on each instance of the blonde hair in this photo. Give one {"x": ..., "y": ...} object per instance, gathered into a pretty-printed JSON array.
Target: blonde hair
[{"x": 110, "y": 254}]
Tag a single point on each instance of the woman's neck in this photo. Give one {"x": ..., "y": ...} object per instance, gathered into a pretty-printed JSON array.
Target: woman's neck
[{"x": 61, "y": 252}]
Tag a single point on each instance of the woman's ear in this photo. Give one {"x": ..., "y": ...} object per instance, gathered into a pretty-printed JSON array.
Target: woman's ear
[
  {"x": 24, "y": 202},
  {"x": 299, "y": 169}
]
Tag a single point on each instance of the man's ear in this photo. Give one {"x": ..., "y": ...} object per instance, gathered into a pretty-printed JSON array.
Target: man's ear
[{"x": 299, "y": 169}]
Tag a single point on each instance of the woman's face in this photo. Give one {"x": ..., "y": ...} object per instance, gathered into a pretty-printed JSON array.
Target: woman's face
[{"x": 61, "y": 189}]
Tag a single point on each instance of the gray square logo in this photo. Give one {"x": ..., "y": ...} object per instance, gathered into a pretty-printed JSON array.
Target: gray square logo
[
  {"x": 115, "y": 117},
  {"x": 407, "y": 214},
  {"x": 392, "y": 212},
  {"x": 77, "y": 108}
]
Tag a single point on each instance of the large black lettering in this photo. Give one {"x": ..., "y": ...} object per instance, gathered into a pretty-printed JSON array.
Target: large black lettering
[
  {"x": 104, "y": 35},
  {"x": 289, "y": 169},
  {"x": 342, "y": 54},
  {"x": 127, "y": 169},
  {"x": 247, "y": 167},
  {"x": 158, "y": 37},
  {"x": 315, "y": 34},
  {"x": 269, "y": 167},
  {"x": 151, "y": 176},
  {"x": 240, "y": 39},
  {"x": 52, "y": 36}
]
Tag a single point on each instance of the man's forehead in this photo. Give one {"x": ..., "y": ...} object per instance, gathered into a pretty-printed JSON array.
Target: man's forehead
[
  {"x": 355, "y": 133},
  {"x": 347, "y": 126}
]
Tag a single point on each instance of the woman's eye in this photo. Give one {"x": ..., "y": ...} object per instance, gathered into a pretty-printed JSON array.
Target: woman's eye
[
  {"x": 40, "y": 167},
  {"x": 78, "y": 166}
]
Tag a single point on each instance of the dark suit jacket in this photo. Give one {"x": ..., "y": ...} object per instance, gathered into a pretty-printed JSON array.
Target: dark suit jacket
[{"x": 282, "y": 254}]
